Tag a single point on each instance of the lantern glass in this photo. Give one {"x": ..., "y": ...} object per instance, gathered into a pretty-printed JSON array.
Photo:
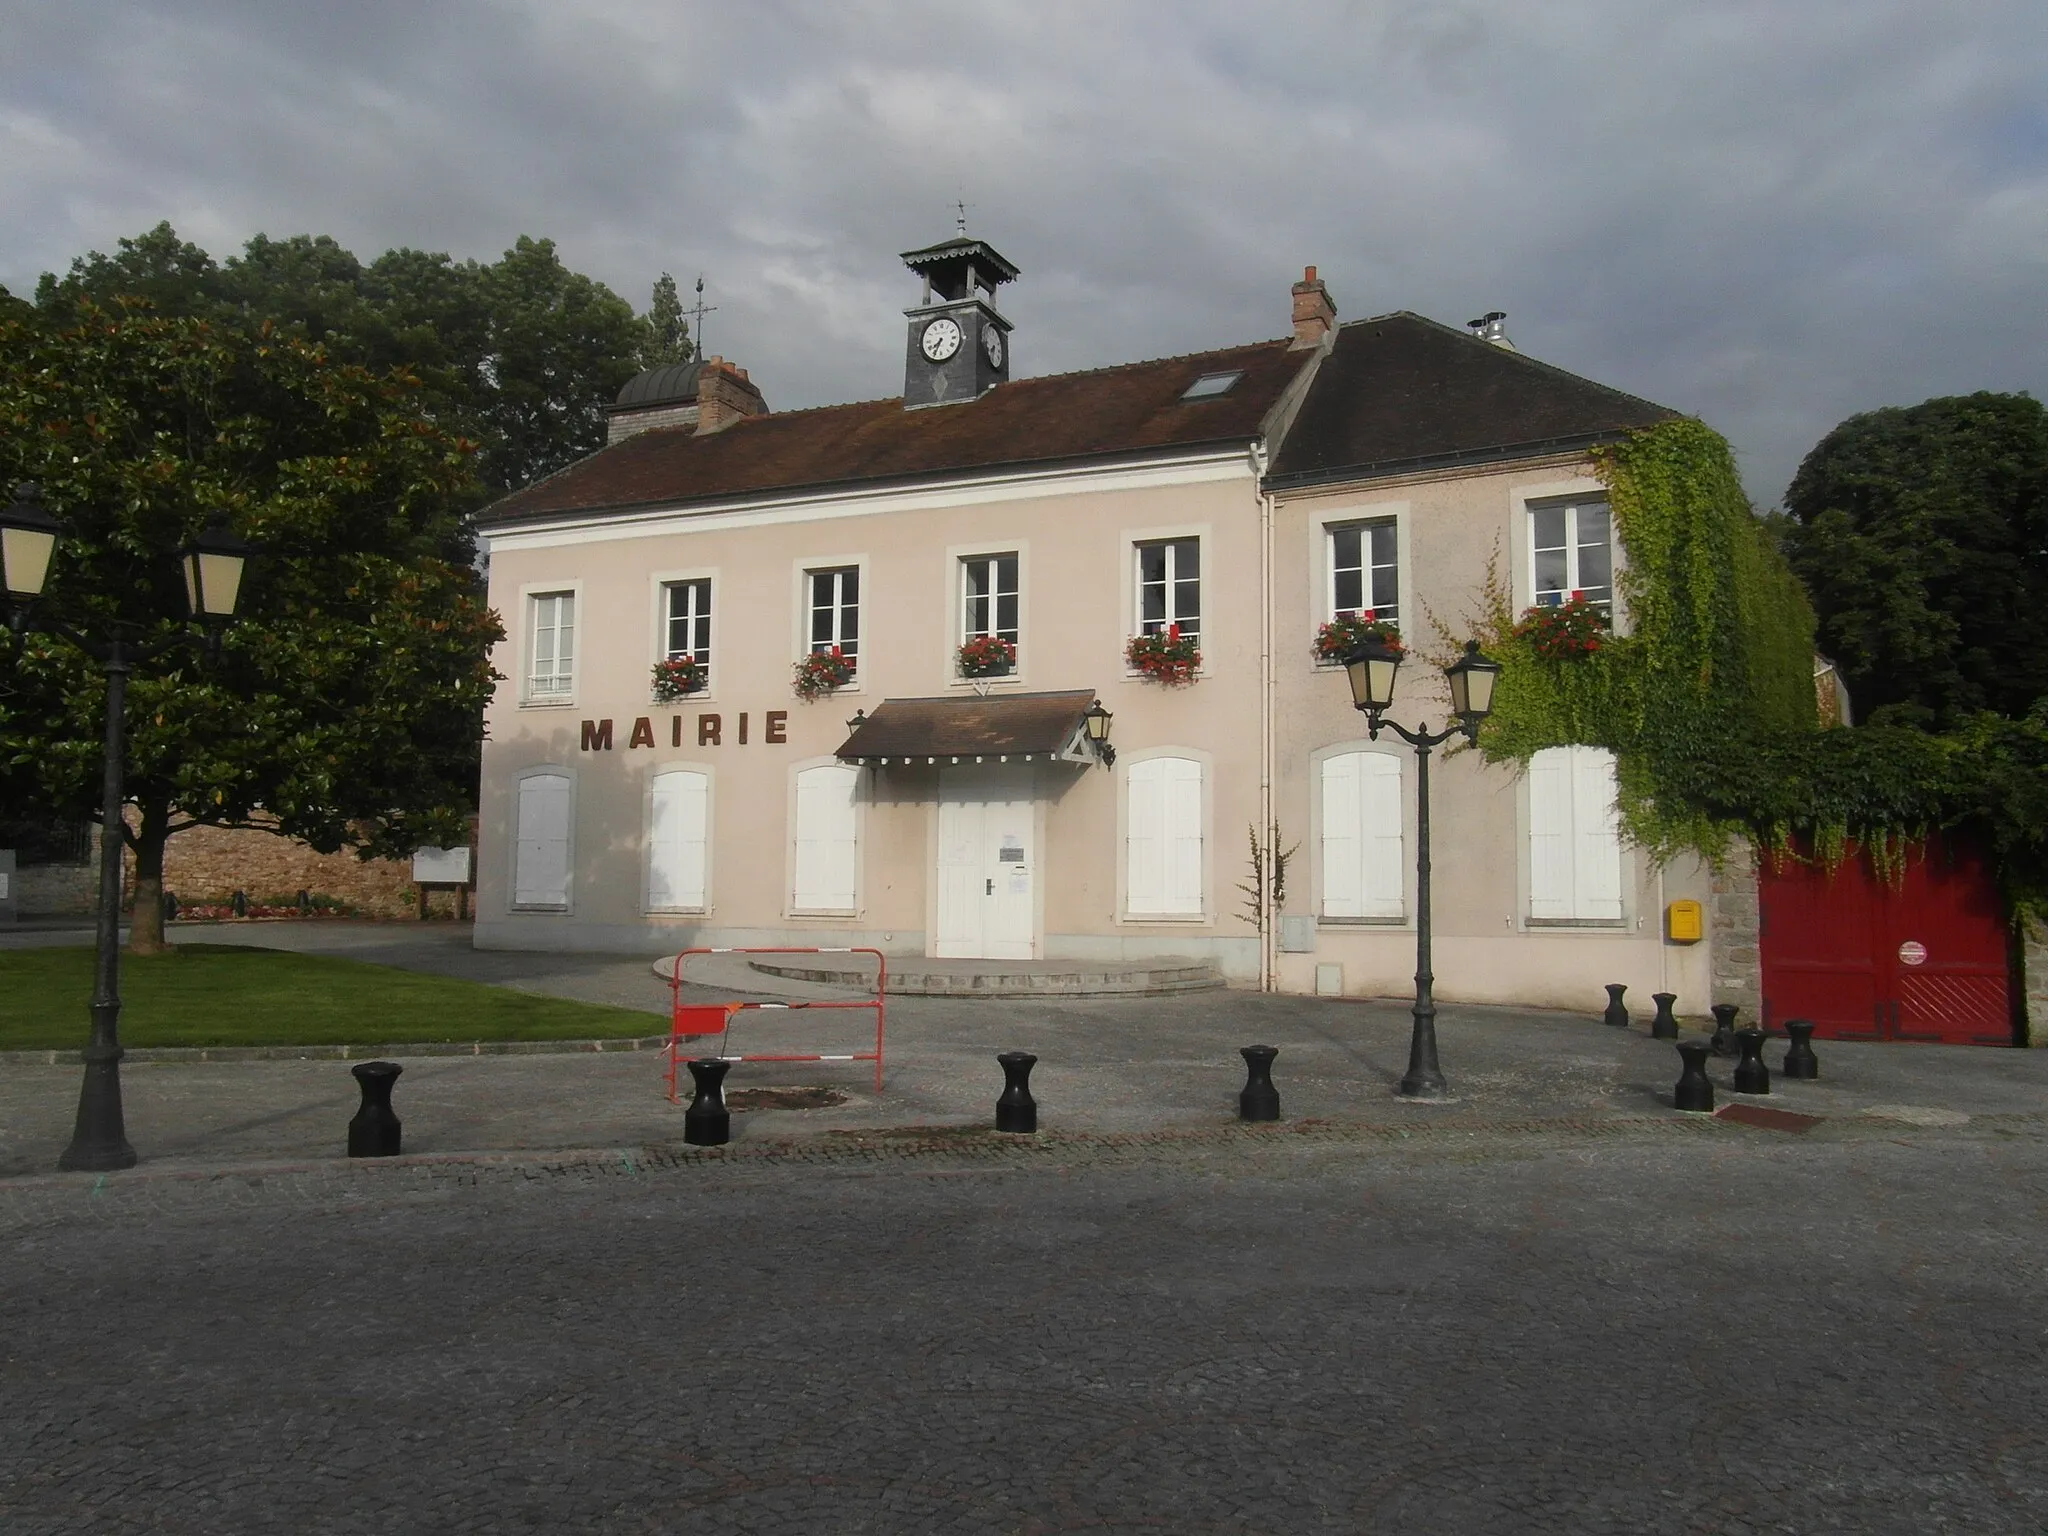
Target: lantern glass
[
  {"x": 1096, "y": 722},
  {"x": 213, "y": 565},
  {"x": 1471, "y": 678},
  {"x": 26, "y": 553},
  {"x": 28, "y": 542},
  {"x": 1371, "y": 672}
]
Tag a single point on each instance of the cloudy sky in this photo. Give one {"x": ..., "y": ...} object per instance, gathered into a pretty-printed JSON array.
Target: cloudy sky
[{"x": 1771, "y": 213}]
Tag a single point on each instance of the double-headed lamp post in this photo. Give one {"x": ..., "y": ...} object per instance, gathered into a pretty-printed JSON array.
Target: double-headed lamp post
[
  {"x": 212, "y": 567},
  {"x": 1371, "y": 672}
]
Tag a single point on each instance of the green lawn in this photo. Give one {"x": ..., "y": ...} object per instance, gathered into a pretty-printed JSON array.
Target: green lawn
[{"x": 218, "y": 994}]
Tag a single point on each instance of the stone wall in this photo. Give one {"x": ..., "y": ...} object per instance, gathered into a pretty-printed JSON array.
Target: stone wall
[
  {"x": 212, "y": 863},
  {"x": 2035, "y": 951},
  {"x": 1732, "y": 929},
  {"x": 57, "y": 890}
]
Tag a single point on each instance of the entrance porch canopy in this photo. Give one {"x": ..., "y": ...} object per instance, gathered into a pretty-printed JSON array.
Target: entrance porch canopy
[{"x": 1007, "y": 727}]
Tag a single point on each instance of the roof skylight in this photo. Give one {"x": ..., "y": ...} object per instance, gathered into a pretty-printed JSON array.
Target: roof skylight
[{"x": 1210, "y": 385}]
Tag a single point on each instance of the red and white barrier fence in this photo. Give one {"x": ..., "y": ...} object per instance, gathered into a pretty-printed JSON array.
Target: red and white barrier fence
[{"x": 696, "y": 1020}]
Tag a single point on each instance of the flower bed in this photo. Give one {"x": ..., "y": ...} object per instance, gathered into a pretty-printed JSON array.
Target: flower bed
[
  {"x": 1567, "y": 631},
  {"x": 1349, "y": 633},
  {"x": 1166, "y": 656},
  {"x": 822, "y": 671}
]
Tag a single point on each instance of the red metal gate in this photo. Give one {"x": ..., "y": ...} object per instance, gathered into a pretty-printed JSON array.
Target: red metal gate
[{"x": 1926, "y": 959}]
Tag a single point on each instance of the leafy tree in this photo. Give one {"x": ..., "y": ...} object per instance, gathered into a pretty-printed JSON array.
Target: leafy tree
[
  {"x": 562, "y": 346},
  {"x": 667, "y": 338},
  {"x": 520, "y": 356},
  {"x": 346, "y": 698},
  {"x": 1922, "y": 534}
]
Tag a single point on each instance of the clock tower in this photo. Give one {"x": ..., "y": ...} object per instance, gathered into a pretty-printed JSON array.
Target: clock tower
[{"x": 959, "y": 345}]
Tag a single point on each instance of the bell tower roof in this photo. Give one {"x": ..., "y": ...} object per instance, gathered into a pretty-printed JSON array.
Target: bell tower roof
[{"x": 954, "y": 268}]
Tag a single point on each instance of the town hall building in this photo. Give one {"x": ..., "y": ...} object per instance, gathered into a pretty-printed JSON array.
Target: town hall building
[{"x": 901, "y": 705}]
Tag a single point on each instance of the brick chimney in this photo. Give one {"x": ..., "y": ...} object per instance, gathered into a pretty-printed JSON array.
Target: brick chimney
[
  {"x": 1314, "y": 315},
  {"x": 724, "y": 395}
]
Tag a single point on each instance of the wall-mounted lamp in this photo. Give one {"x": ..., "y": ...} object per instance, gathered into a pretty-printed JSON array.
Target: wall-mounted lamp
[{"x": 1095, "y": 721}]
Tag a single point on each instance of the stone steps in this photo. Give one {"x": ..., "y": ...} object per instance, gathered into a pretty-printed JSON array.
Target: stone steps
[{"x": 1004, "y": 978}]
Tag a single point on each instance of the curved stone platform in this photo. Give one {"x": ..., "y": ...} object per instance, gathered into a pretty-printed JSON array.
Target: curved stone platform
[{"x": 913, "y": 976}]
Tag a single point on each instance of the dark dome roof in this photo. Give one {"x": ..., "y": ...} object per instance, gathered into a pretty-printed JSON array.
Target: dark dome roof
[{"x": 670, "y": 384}]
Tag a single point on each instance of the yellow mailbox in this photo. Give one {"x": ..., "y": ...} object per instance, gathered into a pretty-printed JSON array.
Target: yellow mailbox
[{"x": 1684, "y": 922}]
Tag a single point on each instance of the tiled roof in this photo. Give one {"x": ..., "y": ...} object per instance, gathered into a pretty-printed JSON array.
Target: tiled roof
[
  {"x": 1402, "y": 392},
  {"x": 1014, "y": 724},
  {"x": 1060, "y": 417}
]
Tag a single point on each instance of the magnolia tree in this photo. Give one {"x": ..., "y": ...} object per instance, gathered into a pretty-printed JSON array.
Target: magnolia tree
[{"x": 344, "y": 704}]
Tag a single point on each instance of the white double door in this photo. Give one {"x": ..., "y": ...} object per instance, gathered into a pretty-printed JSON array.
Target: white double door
[{"x": 988, "y": 870}]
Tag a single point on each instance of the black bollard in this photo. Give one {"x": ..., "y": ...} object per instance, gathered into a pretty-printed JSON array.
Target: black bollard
[
  {"x": 1617, "y": 1010},
  {"x": 1260, "y": 1099},
  {"x": 1695, "y": 1091},
  {"x": 170, "y": 905},
  {"x": 707, "y": 1122},
  {"x": 1723, "y": 1043},
  {"x": 1751, "y": 1075},
  {"x": 239, "y": 903},
  {"x": 374, "y": 1131},
  {"x": 1800, "y": 1062},
  {"x": 1016, "y": 1110},
  {"x": 1665, "y": 1025}
]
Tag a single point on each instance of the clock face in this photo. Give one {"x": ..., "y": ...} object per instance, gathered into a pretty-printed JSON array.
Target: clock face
[
  {"x": 941, "y": 339},
  {"x": 992, "y": 344}
]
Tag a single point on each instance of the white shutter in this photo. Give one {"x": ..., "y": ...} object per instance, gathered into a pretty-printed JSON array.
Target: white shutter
[
  {"x": 1596, "y": 850},
  {"x": 1145, "y": 829},
  {"x": 1184, "y": 835},
  {"x": 1550, "y": 834},
  {"x": 826, "y": 829},
  {"x": 1363, "y": 870},
  {"x": 1343, "y": 838},
  {"x": 1163, "y": 823},
  {"x": 1382, "y": 875},
  {"x": 1574, "y": 836},
  {"x": 675, "y": 841},
  {"x": 540, "y": 869}
]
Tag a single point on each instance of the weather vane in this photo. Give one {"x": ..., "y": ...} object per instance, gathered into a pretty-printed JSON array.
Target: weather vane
[
  {"x": 698, "y": 313},
  {"x": 962, "y": 206}
]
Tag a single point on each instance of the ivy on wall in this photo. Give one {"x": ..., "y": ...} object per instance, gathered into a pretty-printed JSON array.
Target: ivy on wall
[{"x": 1708, "y": 703}]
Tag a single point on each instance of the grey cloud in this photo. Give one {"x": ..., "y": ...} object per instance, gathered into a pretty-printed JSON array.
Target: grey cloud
[{"x": 1770, "y": 215}]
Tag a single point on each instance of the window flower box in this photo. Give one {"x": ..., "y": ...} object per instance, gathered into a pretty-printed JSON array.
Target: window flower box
[
  {"x": 1567, "y": 631},
  {"x": 1166, "y": 656},
  {"x": 1349, "y": 633},
  {"x": 821, "y": 672},
  {"x": 987, "y": 656},
  {"x": 677, "y": 677}
]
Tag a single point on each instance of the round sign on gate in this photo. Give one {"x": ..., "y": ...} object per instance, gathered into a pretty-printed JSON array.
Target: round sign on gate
[{"x": 1912, "y": 952}]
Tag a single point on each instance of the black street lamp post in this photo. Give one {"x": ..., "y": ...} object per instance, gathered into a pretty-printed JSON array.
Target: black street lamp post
[
  {"x": 1371, "y": 671},
  {"x": 212, "y": 567}
]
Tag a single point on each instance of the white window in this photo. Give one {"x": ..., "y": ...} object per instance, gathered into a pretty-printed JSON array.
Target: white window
[
  {"x": 1574, "y": 837},
  {"x": 677, "y": 821},
  {"x": 988, "y": 597},
  {"x": 1363, "y": 866},
  {"x": 1163, "y": 819},
  {"x": 1169, "y": 577},
  {"x": 1365, "y": 571},
  {"x": 540, "y": 866},
  {"x": 1571, "y": 550},
  {"x": 827, "y": 838},
  {"x": 835, "y": 609},
  {"x": 687, "y": 631},
  {"x": 551, "y": 673}
]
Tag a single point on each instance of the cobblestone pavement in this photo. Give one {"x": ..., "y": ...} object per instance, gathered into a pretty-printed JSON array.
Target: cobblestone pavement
[{"x": 1626, "y": 1326}]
